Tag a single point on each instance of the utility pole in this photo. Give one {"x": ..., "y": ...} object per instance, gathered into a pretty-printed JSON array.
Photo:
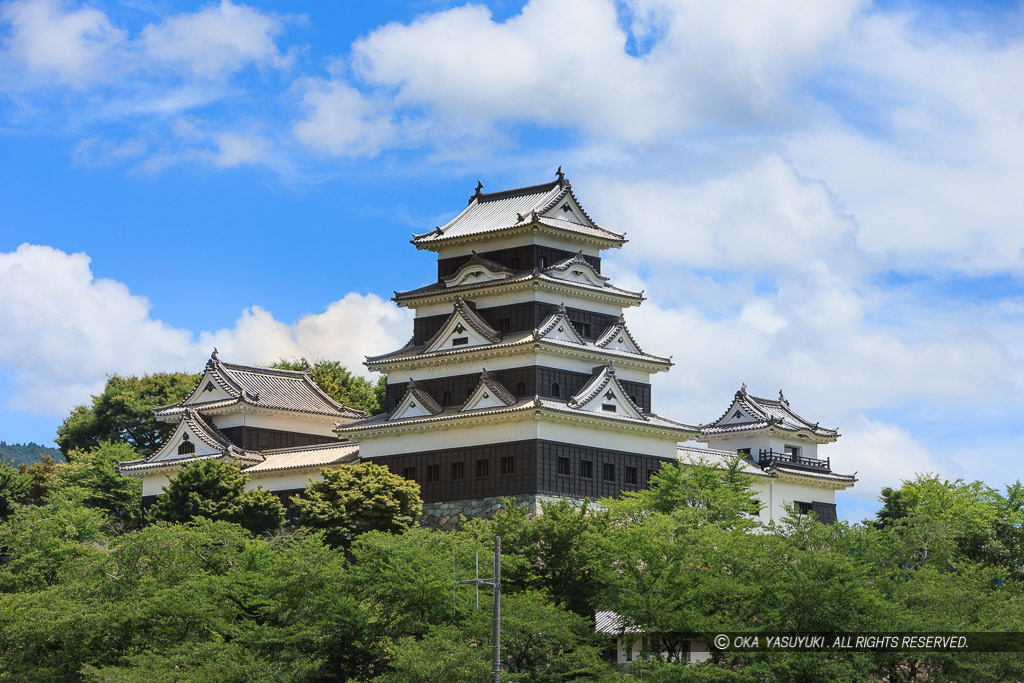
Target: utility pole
[{"x": 495, "y": 584}]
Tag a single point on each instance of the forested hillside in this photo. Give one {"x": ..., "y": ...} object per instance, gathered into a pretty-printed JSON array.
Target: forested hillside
[{"x": 27, "y": 453}]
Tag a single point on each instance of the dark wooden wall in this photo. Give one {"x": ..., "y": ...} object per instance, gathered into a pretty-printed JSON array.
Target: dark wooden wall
[
  {"x": 537, "y": 381},
  {"x": 258, "y": 439},
  {"x": 518, "y": 318},
  {"x": 516, "y": 258}
]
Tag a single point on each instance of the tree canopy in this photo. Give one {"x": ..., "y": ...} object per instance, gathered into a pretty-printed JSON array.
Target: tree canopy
[
  {"x": 352, "y": 500},
  {"x": 123, "y": 412},
  {"x": 216, "y": 491}
]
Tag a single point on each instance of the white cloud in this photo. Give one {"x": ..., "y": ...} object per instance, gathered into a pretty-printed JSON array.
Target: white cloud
[
  {"x": 77, "y": 46},
  {"x": 343, "y": 121},
  {"x": 64, "y": 331},
  {"x": 236, "y": 150},
  {"x": 215, "y": 41}
]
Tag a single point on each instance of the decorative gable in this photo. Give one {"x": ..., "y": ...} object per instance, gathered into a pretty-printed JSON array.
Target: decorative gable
[
  {"x": 577, "y": 269},
  {"x": 558, "y": 326},
  {"x": 191, "y": 439},
  {"x": 415, "y": 403},
  {"x": 604, "y": 394},
  {"x": 214, "y": 385},
  {"x": 464, "y": 328},
  {"x": 489, "y": 393},
  {"x": 478, "y": 269},
  {"x": 618, "y": 338},
  {"x": 566, "y": 208}
]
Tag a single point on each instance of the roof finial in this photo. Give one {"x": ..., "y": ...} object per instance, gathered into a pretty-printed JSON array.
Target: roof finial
[
  {"x": 213, "y": 356},
  {"x": 479, "y": 186},
  {"x": 743, "y": 388},
  {"x": 306, "y": 367},
  {"x": 561, "y": 176},
  {"x": 782, "y": 397}
]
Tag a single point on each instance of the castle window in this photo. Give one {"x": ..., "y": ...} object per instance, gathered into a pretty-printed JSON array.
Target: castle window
[
  {"x": 433, "y": 473},
  {"x": 458, "y": 470},
  {"x": 792, "y": 451},
  {"x": 483, "y": 468},
  {"x": 743, "y": 452},
  {"x": 608, "y": 472},
  {"x": 409, "y": 473},
  {"x": 582, "y": 328},
  {"x": 446, "y": 398},
  {"x": 505, "y": 324},
  {"x": 514, "y": 263},
  {"x": 803, "y": 508},
  {"x": 587, "y": 469},
  {"x": 608, "y": 407},
  {"x": 632, "y": 476},
  {"x": 508, "y": 464},
  {"x": 521, "y": 389},
  {"x": 564, "y": 467},
  {"x": 186, "y": 447},
  {"x": 460, "y": 341},
  {"x": 543, "y": 261},
  {"x": 556, "y": 390}
]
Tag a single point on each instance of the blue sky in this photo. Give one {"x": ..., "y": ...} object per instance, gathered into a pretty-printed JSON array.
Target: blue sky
[{"x": 820, "y": 197}]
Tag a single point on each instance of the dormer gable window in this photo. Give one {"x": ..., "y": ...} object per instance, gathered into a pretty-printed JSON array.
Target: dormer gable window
[{"x": 186, "y": 447}]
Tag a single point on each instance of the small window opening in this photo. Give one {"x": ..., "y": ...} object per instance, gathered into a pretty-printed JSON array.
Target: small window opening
[
  {"x": 186, "y": 447},
  {"x": 505, "y": 324},
  {"x": 608, "y": 407},
  {"x": 460, "y": 341},
  {"x": 632, "y": 476},
  {"x": 446, "y": 398},
  {"x": 556, "y": 390},
  {"x": 409, "y": 473},
  {"x": 514, "y": 263},
  {"x": 521, "y": 389},
  {"x": 608, "y": 472},
  {"x": 483, "y": 468},
  {"x": 564, "y": 467},
  {"x": 433, "y": 473},
  {"x": 458, "y": 470},
  {"x": 543, "y": 262},
  {"x": 587, "y": 469},
  {"x": 508, "y": 464}
]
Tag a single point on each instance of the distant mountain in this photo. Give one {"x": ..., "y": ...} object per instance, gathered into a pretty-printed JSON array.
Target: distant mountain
[{"x": 28, "y": 453}]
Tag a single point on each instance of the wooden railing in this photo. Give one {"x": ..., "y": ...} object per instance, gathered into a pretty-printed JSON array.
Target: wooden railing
[{"x": 768, "y": 457}]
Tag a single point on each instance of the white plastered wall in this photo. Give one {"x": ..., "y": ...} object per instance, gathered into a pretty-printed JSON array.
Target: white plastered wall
[{"x": 287, "y": 423}]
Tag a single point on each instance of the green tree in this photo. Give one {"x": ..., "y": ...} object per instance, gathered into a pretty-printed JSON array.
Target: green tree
[
  {"x": 343, "y": 386},
  {"x": 13, "y": 488},
  {"x": 124, "y": 412},
  {"x": 92, "y": 477},
  {"x": 353, "y": 500},
  {"x": 216, "y": 491},
  {"x": 39, "y": 477}
]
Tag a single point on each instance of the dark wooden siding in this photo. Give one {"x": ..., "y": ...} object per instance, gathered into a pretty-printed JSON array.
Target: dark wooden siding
[
  {"x": 536, "y": 380},
  {"x": 516, "y": 258},
  {"x": 536, "y": 470},
  {"x": 258, "y": 439},
  {"x": 525, "y": 316}
]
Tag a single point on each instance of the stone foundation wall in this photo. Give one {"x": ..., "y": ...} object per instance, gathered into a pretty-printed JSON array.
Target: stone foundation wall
[{"x": 446, "y": 515}]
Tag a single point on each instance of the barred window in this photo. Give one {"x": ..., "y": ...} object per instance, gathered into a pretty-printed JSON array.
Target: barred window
[{"x": 186, "y": 447}]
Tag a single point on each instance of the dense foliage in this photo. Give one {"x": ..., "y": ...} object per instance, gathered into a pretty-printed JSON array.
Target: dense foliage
[
  {"x": 123, "y": 413},
  {"x": 26, "y": 453},
  {"x": 353, "y": 500},
  {"x": 83, "y": 596},
  {"x": 344, "y": 387}
]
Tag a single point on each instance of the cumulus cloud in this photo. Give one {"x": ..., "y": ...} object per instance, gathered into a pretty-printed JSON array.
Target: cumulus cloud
[
  {"x": 215, "y": 41},
  {"x": 77, "y": 46},
  {"x": 343, "y": 121},
  {"x": 65, "y": 330}
]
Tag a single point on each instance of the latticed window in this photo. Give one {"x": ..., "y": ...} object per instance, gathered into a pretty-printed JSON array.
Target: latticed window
[
  {"x": 186, "y": 447},
  {"x": 508, "y": 465}
]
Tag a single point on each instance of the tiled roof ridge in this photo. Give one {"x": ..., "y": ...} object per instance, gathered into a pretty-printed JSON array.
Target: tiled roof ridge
[
  {"x": 542, "y": 188},
  {"x": 527, "y": 276},
  {"x": 310, "y": 447},
  {"x": 617, "y": 328}
]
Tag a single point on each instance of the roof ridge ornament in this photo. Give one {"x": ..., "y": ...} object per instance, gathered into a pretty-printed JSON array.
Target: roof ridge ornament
[
  {"x": 560, "y": 176},
  {"x": 782, "y": 397}
]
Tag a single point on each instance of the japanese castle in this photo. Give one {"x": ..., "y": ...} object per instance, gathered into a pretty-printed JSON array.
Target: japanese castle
[{"x": 521, "y": 379}]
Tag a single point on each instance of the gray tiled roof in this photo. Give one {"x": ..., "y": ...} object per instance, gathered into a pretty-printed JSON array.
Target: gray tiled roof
[
  {"x": 525, "y": 404},
  {"x": 540, "y": 276},
  {"x": 612, "y": 624},
  {"x": 205, "y": 432},
  {"x": 495, "y": 211},
  {"x": 766, "y": 413},
  {"x": 718, "y": 458},
  {"x": 306, "y": 456},
  {"x": 496, "y": 388},
  {"x": 522, "y": 338},
  {"x": 266, "y": 388},
  {"x": 832, "y": 476}
]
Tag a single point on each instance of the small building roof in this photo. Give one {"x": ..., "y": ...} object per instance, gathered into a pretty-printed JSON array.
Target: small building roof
[
  {"x": 717, "y": 458},
  {"x": 302, "y": 457},
  {"x": 751, "y": 413},
  {"x": 612, "y": 624},
  {"x": 231, "y": 384},
  {"x": 536, "y": 205}
]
